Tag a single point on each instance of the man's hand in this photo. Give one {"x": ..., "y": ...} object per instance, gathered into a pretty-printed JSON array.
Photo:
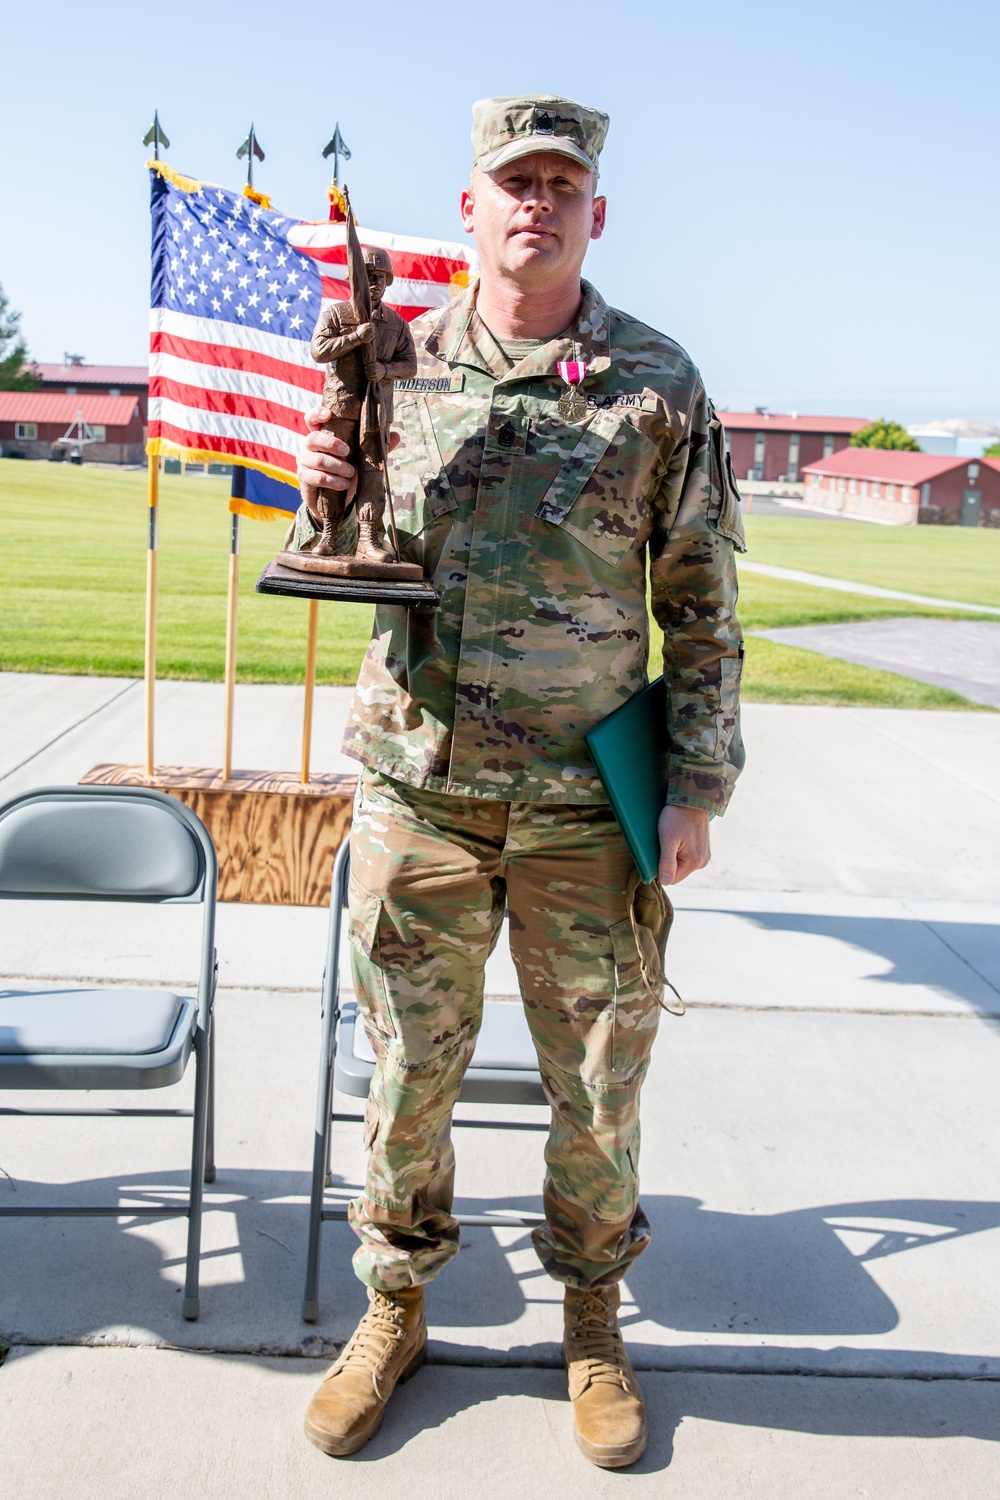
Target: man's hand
[
  {"x": 375, "y": 370},
  {"x": 365, "y": 332},
  {"x": 323, "y": 465},
  {"x": 684, "y": 845}
]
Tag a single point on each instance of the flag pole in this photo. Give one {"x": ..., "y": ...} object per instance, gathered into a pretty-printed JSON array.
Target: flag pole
[
  {"x": 232, "y": 603},
  {"x": 152, "y": 556},
  {"x": 155, "y": 137},
  {"x": 307, "y": 718}
]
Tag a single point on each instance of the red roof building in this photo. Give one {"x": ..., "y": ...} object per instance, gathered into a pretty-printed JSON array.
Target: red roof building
[
  {"x": 105, "y": 380},
  {"x": 778, "y": 445},
  {"x": 50, "y": 424},
  {"x": 902, "y": 489}
]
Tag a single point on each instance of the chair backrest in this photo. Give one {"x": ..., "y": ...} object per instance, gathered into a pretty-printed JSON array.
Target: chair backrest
[{"x": 102, "y": 843}]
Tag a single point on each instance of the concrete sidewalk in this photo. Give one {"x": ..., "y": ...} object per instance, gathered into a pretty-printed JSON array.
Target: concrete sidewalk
[
  {"x": 963, "y": 655},
  {"x": 819, "y": 1314}
]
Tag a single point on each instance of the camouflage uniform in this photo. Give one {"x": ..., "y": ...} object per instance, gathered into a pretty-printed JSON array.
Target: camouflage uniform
[{"x": 479, "y": 787}]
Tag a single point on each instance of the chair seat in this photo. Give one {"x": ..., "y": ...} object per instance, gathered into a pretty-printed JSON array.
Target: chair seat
[
  {"x": 94, "y": 1038},
  {"x": 504, "y": 1040},
  {"x": 504, "y": 1067}
]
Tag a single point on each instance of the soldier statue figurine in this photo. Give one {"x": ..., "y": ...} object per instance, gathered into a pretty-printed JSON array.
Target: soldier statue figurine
[{"x": 365, "y": 346}]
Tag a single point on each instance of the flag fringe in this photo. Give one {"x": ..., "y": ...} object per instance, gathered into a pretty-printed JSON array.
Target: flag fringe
[
  {"x": 259, "y": 512},
  {"x": 193, "y": 185},
  {"x": 186, "y": 184},
  {"x": 261, "y": 199},
  {"x": 161, "y": 447},
  {"x": 338, "y": 204}
]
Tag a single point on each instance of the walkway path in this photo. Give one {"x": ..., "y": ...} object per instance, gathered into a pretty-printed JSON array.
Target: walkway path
[
  {"x": 847, "y": 586},
  {"x": 963, "y": 655}
]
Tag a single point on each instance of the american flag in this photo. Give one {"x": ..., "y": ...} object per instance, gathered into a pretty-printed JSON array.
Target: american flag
[{"x": 236, "y": 291}]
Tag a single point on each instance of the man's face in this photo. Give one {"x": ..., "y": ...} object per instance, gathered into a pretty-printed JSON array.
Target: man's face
[
  {"x": 377, "y": 285},
  {"x": 534, "y": 218}
]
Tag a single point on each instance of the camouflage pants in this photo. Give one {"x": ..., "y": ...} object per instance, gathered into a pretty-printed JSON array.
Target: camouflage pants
[{"x": 430, "y": 877}]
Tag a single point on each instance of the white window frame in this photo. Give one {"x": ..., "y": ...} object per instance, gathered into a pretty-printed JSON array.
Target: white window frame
[
  {"x": 876, "y": 489},
  {"x": 890, "y": 492},
  {"x": 907, "y": 494},
  {"x": 26, "y": 431},
  {"x": 98, "y": 434}
]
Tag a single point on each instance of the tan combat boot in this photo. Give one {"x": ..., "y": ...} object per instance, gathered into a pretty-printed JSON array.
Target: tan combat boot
[
  {"x": 369, "y": 549},
  {"x": 607, "y": 1402},
  {"x": 387, "y": 1346}
]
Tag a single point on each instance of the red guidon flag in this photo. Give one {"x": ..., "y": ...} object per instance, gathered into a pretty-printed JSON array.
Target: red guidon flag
[{"x": 236, "y": 291}]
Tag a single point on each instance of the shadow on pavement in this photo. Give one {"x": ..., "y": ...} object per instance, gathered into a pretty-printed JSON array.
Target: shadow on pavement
[{"x": 912, "y": 947}]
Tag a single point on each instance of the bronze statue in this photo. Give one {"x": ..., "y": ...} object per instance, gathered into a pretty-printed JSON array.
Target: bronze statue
[{"x": 366, "y": 346}]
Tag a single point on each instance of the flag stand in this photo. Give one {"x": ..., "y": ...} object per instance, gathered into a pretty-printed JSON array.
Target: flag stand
[{"x": 232, "y": 616}]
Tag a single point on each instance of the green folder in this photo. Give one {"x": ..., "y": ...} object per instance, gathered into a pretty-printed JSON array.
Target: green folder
[{"x": 630, "y": 749}]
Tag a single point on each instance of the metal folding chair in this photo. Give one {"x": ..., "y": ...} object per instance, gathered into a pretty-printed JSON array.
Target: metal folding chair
[
  {"x": 504, "y": 1070},
  {"x": 103, "y": 843}
]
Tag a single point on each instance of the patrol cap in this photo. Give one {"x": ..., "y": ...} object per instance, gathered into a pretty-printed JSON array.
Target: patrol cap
[
  {"x": 504, "y": 129},
  {"x": 378, "y": 260}
]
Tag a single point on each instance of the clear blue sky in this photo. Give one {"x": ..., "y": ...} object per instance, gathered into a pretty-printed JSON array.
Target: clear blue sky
[{"x": 804, "y": 194}]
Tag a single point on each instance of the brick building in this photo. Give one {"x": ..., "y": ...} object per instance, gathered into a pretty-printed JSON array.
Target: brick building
[
  {"x": 778, "y": 446},
  {"x": 74, "y": 378},
  {"x": 44, "y": 424},
  {"x": 902, "y": 489}
]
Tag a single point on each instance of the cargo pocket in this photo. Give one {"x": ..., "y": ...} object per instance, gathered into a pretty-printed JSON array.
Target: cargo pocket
[
  {"x": 371, "y": 1122},
  {"x": 601, "y": 494},
  {"x": 365, "y": 911},
  {"x": 421, "y": 489},
  {"x": 635, "y": 1014},
  {"x": 731, "y": 671},
  {"x": 724, "y": 514},
  {"x": 651, "y": 917}
]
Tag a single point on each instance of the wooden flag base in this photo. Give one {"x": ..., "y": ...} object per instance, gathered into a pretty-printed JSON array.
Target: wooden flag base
[{"x": 276, "y": 837}]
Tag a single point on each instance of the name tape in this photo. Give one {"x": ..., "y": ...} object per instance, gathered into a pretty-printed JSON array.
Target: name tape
[{"x": 454, "y": 382}]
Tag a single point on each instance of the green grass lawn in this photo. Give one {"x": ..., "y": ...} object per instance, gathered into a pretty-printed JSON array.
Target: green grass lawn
[
  {"x": 73, "y": 581},
  {"x": 73, "y": 578},
  {"x": 948, "y": 562}
]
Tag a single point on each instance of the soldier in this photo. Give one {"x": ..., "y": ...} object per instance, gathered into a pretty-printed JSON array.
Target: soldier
[
  {"x": 380, "y": 350},
  {"x": 549, "y": 449}
]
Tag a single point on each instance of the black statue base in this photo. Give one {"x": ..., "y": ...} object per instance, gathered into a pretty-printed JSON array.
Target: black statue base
[{"x": 294, "y": 584}]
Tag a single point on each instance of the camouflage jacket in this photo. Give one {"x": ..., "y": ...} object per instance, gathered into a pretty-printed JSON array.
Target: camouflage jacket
[{"x": 536, "y": 532}]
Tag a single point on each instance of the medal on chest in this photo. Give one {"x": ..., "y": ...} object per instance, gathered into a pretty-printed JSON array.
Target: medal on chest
[{"x": 572, "y": 404}]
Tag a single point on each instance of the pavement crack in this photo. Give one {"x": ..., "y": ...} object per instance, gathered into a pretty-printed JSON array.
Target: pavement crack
[
  {"x": 929, "y": 925},
  {"x": 70, "y": 728}
]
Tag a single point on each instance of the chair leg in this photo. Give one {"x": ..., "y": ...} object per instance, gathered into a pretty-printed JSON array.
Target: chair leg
[
  {"x": 322, "y": 1143},
  {"x": 210, "y": 1122},
  {"x": 191, "y": 1305}
]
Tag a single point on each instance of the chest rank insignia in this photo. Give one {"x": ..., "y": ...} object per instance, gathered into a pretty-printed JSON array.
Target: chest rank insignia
[{"x": 572, "y": 404}]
